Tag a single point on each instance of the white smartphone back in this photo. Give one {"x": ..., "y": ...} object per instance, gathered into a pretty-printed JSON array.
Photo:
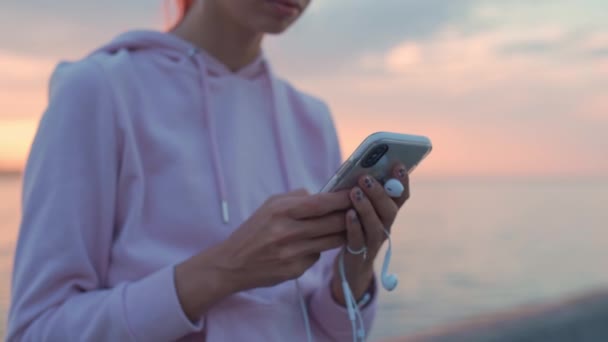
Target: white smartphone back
[{"x": 377, "y": 155}]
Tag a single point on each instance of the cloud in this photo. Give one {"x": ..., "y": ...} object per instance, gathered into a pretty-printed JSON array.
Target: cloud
[
  {"x": 461, "y": 62},
  {"x": 70, "y": 28},
  {"x": 488, "y": 110},
  {"x": 343, "y": 30},
  {"x": 502, "y": 87},
  {"x": 594, "y": 108},
  {"x": 404, "y": 57}
]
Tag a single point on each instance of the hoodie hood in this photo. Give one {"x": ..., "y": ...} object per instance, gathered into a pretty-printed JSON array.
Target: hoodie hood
[
  {"x": 207, "y": 68},
  {"x": 176, "y": 48}
]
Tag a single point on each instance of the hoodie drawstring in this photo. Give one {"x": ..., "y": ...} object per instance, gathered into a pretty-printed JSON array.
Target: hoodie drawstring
[
  {"x": 211, "y": 138},
  {"x": 287, "y": 181},
  {"x": 194, "y": 54},
  {"x": 217, "y": 168}
]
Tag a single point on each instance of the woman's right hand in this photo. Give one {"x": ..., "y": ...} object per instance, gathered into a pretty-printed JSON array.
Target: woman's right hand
[{"x": 279, "y": 242}]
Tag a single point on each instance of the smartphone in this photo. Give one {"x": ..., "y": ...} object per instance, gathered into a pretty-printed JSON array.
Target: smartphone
[{"x": 377, "y": 155}]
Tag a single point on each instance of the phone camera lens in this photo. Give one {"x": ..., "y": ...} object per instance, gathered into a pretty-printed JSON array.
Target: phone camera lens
[{"x": 372, "y": 158}]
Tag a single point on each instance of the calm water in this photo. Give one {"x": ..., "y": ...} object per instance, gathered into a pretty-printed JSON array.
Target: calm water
[{"x": 461, "y": 248}]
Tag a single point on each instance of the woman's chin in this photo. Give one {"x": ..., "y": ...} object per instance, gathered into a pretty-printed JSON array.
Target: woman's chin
[
  {"x": 276, "y": 30},
  {"x": 274, "y": 25}
]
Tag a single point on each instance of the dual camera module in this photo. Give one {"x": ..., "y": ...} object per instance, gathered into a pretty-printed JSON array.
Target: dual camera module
[{"x": 374, "y": 155}]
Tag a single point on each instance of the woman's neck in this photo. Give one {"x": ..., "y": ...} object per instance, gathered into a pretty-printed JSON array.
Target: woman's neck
[{"x": 208, "y": 27}]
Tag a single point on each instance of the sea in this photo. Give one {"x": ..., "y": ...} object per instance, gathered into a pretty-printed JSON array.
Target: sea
[{"x": 461, "y": 248}]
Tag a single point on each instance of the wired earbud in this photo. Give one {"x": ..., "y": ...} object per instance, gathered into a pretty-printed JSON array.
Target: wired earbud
[
  {"x": 393, "y": 188},
  {"x": 389, "y": 281}
]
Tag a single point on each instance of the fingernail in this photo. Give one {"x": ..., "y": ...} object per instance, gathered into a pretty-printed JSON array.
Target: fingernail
[
  {"x": 358, "y": 194},
  {"x": 402, "y": 172},
  {"x": 353, "y": 216},
  {"x": 368, "y": 182}
]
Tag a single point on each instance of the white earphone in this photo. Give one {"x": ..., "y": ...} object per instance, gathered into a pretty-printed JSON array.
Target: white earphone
[
  {"x": 393, "y": 188},
  {"x": 389, "y": 281}
]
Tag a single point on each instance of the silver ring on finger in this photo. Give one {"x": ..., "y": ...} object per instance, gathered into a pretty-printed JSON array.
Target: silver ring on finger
[{"x": 363, "y": 251}]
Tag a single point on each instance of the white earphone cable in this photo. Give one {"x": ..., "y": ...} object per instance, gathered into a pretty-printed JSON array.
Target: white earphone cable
[
  {"x": 304, "y": 312},
  {"x": 389, "y": 282}
]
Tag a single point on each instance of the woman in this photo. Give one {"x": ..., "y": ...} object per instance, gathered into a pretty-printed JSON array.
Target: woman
[{"x": 165, "y": 196}]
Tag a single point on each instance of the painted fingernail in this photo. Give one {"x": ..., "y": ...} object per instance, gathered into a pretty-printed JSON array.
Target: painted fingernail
[
  {"x": 353, "y": 216},
  {"x": 358, "y": 194},
  {"x": 402, "y": 172},
  {"x": 368, "y": 182}
]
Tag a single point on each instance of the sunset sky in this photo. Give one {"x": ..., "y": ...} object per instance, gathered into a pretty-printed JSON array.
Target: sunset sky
[{"x": 503, "y": 88}]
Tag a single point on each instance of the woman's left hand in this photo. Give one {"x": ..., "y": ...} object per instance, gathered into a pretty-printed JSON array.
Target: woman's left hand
[{"x": 373, "y": 211}]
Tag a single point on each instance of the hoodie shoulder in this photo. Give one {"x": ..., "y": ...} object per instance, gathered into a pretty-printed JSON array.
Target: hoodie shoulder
[
  {"x": 309, "y": 101},
  {"x": 77, "y": 79},
  {"x": 318, "y": 113},
  {"x": 79, "y": 99},
  {"x": 315, "y": 109}
]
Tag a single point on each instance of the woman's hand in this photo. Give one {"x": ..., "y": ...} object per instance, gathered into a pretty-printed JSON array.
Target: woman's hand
[
  {"x": 373, "y": 211},
  {"x": 279, "y": 242}
]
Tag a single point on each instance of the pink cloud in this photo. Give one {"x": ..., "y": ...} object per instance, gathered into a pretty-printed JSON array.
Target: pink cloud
[
  {"x": 488, "y": 111},
  {"x": 595, "y": 108},
  {"x": 455, "y": 56}
]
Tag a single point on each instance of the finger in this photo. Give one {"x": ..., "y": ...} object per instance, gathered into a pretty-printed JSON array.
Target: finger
[
  {"x": 385, "y": 206},
  {"x": 311, "y": 246},
  {"x": 400, "y": 173},
  {"x": 298, "y": 193},
  {"x": 317, "y": 227},
  {"x": 282, "y": 198},
  {"x": 319, "y": 205},
  {"x": 355, "y": 238},
  {"x": 372, "y": 225}
]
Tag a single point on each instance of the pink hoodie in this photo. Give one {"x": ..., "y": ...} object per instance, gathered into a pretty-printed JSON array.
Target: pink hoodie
[{"x": 149, "y": 152}]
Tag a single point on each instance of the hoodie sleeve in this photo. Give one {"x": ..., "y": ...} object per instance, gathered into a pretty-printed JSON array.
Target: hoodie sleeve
[
  {"x": 67, "y": 229},
  {"x": 330, "y": 317}
]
